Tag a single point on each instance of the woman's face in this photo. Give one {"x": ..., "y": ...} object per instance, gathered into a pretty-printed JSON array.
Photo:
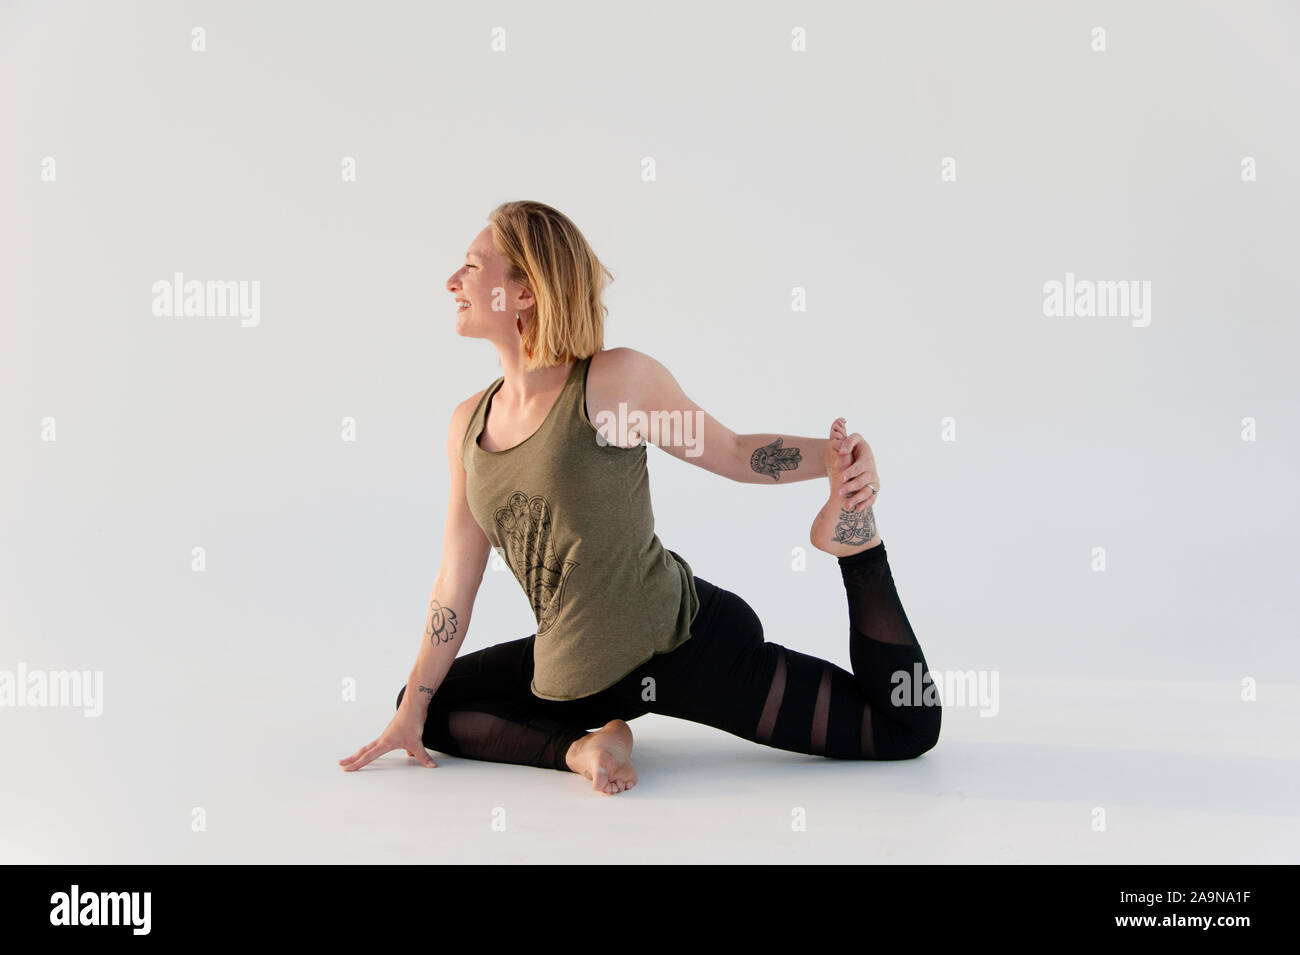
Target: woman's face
[{"x": 485, "y": 301}]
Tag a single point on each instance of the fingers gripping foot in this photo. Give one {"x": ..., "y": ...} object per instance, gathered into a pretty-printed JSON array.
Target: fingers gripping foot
[{"x": 846, "y": 524}]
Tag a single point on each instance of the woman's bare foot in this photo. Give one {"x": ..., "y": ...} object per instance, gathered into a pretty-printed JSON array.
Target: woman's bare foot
[
  {"x": 605, "y": 757},
  {"x": 836, "y": 529}
]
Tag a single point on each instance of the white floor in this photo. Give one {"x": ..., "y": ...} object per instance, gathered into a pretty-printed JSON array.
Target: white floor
[{"x": 1184, "y": 773}]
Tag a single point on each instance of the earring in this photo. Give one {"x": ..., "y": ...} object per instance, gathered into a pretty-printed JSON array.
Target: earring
[{"x": 519, "y": 325}]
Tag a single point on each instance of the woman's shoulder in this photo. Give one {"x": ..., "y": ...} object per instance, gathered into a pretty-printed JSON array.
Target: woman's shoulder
[
  {"x": 611, "y": 367},
  {"x": 625, "y": 374},
  {"x": 621, "y": 359},
  {"x": 465, "y": 410},
  {"x": 621, "y": 381},
  {"x": 463, "y": 415},
  {"x": 611, "y": 377}
]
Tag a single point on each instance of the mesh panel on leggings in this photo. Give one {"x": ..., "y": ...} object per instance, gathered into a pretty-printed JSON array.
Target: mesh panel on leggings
[
  {"x": 501, "y": 737},
  {"x": 875, "y": 610},
  {"x": 815, "y": 707},
  {"x": 887, "y": 659}
]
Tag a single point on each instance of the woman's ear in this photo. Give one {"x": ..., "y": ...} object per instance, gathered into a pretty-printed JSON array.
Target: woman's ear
[{"x": 526, "y": 300}]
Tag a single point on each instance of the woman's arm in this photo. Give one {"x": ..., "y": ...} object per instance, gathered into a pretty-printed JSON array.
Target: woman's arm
[
  {"x": 464, "y": 555},
  {"x": 465, "y": 551},
  {"x": 781, "y": 458},
  {"x": 661, "y": 413}
]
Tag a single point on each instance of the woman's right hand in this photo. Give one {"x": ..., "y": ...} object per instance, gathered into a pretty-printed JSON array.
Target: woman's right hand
[{"x": 404, "y": 731}]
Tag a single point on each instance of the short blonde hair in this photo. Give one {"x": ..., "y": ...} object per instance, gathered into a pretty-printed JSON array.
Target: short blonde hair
[{"x": 546, "y": 252}]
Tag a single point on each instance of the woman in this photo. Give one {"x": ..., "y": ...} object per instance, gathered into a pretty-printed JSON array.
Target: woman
[{"x": 624, "y": 627}]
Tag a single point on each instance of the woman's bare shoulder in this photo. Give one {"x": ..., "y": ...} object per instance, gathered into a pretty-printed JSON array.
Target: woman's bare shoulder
[
  {"x": 612, "y": 365},
  {"x": 628, "y": 377},
  {"x": 612, "y": 375},
  {"x": 461, "y": 415}
]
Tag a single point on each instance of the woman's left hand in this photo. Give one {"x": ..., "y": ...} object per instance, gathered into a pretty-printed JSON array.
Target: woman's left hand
[{"x": 860, "y": 483}]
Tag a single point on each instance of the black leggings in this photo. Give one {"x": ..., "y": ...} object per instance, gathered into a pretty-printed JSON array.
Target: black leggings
[{"x": 725, "y": 676}]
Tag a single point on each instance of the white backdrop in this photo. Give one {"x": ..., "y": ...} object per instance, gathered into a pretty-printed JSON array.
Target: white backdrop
[{"x": 810, "y": 210}]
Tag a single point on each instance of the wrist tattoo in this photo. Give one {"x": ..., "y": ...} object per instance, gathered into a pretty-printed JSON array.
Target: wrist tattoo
[
  {"x": 855, "y": 527},
  {"x": 442, "y": 623},
  {"x": 771, "y": 458},
  {"x": 426, "y": 689}
]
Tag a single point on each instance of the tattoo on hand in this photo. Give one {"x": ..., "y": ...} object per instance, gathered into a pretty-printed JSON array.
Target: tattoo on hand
[
  {"x": 771, "y": 458},
  {"x": 442, "y": 623},
  {"x": 426, "y": 689},
  {"x": 855, "y": 527}
]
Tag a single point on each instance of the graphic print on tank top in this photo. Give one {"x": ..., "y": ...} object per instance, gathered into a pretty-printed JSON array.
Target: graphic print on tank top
[{"x": 525, "y": 524}]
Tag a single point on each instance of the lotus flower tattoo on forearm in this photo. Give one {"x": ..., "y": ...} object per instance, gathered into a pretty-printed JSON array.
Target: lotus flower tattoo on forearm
[{"x": 442, "y": 623}]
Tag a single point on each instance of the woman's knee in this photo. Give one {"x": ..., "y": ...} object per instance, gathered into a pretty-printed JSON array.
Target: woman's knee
[
  {"x": 740, "y": 617},
  {"x": 910, "y": 735},
  {"x": 925, "y": 733}
]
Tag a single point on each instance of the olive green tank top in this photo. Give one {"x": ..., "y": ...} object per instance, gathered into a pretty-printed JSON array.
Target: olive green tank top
[{"x": 572, "y": 519}]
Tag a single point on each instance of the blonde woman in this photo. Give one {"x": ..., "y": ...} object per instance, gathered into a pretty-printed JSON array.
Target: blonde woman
[{"x": 624, "y": 626}]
